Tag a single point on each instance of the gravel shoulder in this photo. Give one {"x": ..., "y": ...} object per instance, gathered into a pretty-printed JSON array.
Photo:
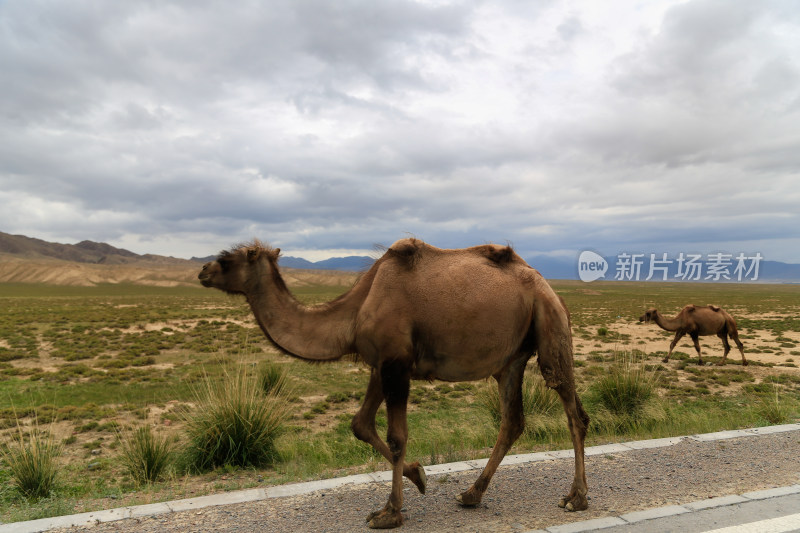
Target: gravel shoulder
[{"x": 520, "y": 497}]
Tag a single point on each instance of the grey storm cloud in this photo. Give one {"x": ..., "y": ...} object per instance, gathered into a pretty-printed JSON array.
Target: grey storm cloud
[{"x": 182, "y": 127}]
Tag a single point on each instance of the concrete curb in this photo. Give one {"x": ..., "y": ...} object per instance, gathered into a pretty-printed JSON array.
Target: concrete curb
[{"x": 295, "y": 489}]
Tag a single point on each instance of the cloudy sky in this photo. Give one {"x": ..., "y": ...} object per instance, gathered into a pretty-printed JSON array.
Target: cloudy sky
[{"x": 183, "y": 127}]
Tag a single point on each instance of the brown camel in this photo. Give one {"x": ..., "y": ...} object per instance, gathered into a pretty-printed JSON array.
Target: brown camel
[
  {"x": 697, "y": 321},
  {"x": 421, "y": 312}
]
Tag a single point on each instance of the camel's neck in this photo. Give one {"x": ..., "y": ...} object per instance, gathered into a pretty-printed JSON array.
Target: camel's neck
[
  {"x": 669, "y": 324},
  {"x": 319, "y": 333}
]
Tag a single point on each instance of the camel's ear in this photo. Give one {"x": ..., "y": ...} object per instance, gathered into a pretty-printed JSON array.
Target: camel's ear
[{"x": 272, "y": 254}]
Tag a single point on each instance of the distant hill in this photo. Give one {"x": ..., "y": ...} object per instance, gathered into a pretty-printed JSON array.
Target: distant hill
[
  {"x": 28, "y": 260},
  {"x": 17, "y": 248},
  {"x": 83, "y": 252},
  {"x": 353, "y": 263}
]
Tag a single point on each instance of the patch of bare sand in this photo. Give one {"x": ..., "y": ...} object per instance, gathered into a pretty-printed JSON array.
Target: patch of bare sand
[
  {"x": 180, "y": 324},
  {"x": 589, "y": 292},
  {"x": 772, "y": 315}
]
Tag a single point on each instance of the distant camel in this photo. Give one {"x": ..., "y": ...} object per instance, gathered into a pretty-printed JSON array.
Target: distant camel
[
  {"x": 424, "y": 313},
  {"x": 697, "y": 321}
]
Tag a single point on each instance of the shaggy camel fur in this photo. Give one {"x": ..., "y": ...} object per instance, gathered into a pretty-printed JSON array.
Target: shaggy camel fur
[
  {"x": 424, "y": 313},
  {"x": 697, "y": 321}
]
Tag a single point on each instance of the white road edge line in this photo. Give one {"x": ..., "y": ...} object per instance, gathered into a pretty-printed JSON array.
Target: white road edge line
[{"x": 771, "y": 525}]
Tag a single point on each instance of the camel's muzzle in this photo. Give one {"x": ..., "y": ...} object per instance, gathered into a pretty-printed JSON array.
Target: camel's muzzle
[{"x": 204, "y": 276}]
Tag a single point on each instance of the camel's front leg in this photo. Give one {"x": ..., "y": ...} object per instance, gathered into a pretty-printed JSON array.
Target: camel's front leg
[
  {"x": 512, "y": 423},
  {"x": 395, "y": 378},
  {"x": 363, "y": 427},
  {"x": 696, "y": 341},
  {"x": 672, "y": 345}
]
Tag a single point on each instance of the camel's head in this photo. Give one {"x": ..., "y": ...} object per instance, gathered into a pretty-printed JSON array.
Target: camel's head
[
  {"x": 649, "y": 315},
  {"x": 233, "y": 271}
]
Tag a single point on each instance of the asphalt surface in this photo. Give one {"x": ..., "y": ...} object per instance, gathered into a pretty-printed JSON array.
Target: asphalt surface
[{"x": 631, "y": 485}]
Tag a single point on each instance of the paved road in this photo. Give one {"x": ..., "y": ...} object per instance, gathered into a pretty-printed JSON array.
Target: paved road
[
  {"x": 770, "y": 513},
  {"x": 630, "y": 484}
]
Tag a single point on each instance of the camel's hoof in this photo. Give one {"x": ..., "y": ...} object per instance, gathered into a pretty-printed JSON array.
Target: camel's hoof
[
  {"x": 469, "y": 498},
  {"x": 745, "y": 363},
  {"x": 421, "y": 480},
  {"x": 721, "y": 363},
  {"x": 576, "y": 503},
  {"x": 665, "y": 360},
  {"x": 385, "y": 519}
]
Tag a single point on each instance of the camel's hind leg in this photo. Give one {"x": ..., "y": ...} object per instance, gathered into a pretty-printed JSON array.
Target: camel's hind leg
[
  {"x": 724, "y": 336},
  {"x": 363, "y": 427},
  {"x": 735, "y": 336},
  {"x": 556, "y": 364},
  {"x": 578, "y": 422},
  {"x": 509, "y": 381}
]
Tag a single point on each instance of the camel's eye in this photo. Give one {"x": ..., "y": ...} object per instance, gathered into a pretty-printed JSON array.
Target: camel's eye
[{"x": 224, "y": 261}]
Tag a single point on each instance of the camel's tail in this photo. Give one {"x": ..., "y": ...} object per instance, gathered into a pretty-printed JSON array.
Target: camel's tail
[{"x": 733, "y": 332}]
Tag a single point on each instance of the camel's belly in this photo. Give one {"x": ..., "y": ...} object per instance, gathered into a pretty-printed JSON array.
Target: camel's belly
[{"x": 469, "y": 362}]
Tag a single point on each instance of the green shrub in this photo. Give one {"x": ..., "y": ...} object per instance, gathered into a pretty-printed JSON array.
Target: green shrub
[
  {"x": 145, "y": 456},
  {"x": 625, "y": 388},
  {"x": 771, "y": 409},
  {"x": 537, "y": 398},
  {"x": 234, "y": 423},
  {"x": 32, "y": 461},
  {"x": 273, "y": 379}
]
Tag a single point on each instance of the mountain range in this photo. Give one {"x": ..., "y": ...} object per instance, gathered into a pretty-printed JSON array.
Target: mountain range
[
  {"x": 82, "y": 252},
  {"x": 618, "y": 268},
  {"x": 20, "y": 247}
]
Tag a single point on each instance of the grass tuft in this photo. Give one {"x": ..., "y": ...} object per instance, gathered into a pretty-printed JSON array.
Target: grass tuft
[
  {"x": 272, "y": 379},
  {"x": 32, "y": 461},
  {"x": 626, "y": 388},
  {"x": 773, "y": 410},
  {"x": 624, "y": 398},
  {"x": 234, "y": 423},
  {"x": 146, "y": 456},
  {"x": 537, "y": 399}
]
